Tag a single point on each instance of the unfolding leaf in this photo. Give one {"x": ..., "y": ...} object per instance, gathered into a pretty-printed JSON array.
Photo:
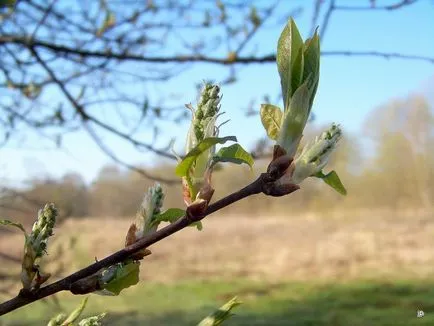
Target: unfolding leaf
[
  {"x": 184, "y": 166},
  {"x": 170, "y": 215},
  {"x": 297, "y": 69},
  {"x": 332, "y": 179},
  {"x": 124, "y": 277},
  {"x": 295, "y": 120},
  {"x": 220, "y": 315},
  {"x": 271, "y": 118},
  {"x": 288, "y": 47},
  {"x": 234, "y": 154},
  {"x": 312, "y": 64}
]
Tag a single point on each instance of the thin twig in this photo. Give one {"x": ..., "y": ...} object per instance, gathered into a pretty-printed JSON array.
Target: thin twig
[
  {"x": 86, "y": 117},
  {"x": 326, "y": 20},
  {"x": 116, "y": 159},
  {"x": 385, "y": 55},
  {"x": 391, "y": 7},
  {"x": 185, "y": 59}
]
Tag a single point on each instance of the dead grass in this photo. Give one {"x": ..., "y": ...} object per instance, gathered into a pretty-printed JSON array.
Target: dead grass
[{"x": 364, "y": 245}]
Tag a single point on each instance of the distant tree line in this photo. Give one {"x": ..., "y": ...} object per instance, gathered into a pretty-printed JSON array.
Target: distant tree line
[{"x": 389, "y": 165}]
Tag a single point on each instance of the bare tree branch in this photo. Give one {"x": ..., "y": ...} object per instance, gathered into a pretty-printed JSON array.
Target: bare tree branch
[
  {"x": 395, "y": 6},
  {"x": 385, "y": 55},
  {"x": 326, "y": 20}
]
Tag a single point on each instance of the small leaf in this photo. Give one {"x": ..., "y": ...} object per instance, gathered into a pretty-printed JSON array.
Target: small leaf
[
  {"x": 288, "y": 48},
  {"x": 234, "y": 154},
  {"x": 10, "y": 223},
  {"x": 198, "y": 225},
  {"x": 170, "y": 215},
  {"x": 182, "y": 169},
  {"x": 220, "y": 315},
  {"x": 76, "y": 313},
  {"x": 271, "y": 117},
  {"x": 297, "y": 69},
  {"x": 332, "y": 179},
  {"x": 125, "y": 276}
]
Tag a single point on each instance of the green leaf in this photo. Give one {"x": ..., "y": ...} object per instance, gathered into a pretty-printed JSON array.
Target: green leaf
[
  {"x": 288, "y": 47},
  {"x": 182, "y": 169},
  {"x": 332, "y": 179},
  {"x": 173, "y": 214},
  {"x": 234, "y": 154},
  {"x": 198, "y": 225},
  {"x": 76, "y": 313},
  {"x": 297, "y": 71},
  {"x": 220, "y": 315},
  {"x": 10, "y": 223},
  {"x": 126, "y": 276},
  {"x": 295, "y": 120},
  {"x": 312, "y": 64},
  {"x": 271, "y": 118},
  {"x": 170, "y": 215}
]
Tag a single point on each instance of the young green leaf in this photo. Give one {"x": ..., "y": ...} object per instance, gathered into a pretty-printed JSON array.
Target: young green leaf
[
  {"x": 125, "y": 276},
  {"x": 312, "y": 64},
  {"x": 198, "y": 225},
  {"x": 76, "y": 313},
  {"x": 297, "y": 70},
  {"x": 332, "y": 179},
  {"x": 234, "y": 154},
  {"x": 294, "y": 120},
  {"x": 170, "y": 215},
  {"x": 288, "y": 47},
  {"x": 271, "y": 118},
  {"x": 10, "y": 223},
  {"x": 184, "y": 166},
  {"x": 220, "y": 315}
]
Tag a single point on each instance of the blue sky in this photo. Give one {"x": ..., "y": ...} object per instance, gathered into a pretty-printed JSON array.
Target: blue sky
[{"x": 350, "y": 87}]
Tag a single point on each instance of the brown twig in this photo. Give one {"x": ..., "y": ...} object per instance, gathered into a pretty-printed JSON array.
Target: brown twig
[
  {"x": 390, "y": 7},
  {"x": 385, "y": 55},
  {"x": 326, "y": 20},
  {"x": 265, "y": 184},
  {"x": 204, "y": 59}
]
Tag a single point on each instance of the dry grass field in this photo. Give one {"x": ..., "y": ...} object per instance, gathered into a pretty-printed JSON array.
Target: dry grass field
[
  {"x": 377, "y": 244},
  {"x": 338, "y": 248}
]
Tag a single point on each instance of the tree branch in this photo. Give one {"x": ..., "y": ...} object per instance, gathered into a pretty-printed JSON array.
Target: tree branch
[
  {"x": 263, "y": 184},
  {"x": 196, "y": 58},
  {"x": 86, "y": 117},
  {"x": 385, "y": 55},
  {"x": 391, "y": 7}
]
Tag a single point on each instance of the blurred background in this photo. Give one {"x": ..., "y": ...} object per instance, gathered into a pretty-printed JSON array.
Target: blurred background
[{"x": 92, "y": 107}]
